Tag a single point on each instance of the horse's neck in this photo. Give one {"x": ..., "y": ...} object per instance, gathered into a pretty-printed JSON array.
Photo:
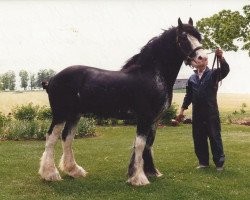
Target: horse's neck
[
  {"x": 166, "y": 69},
  {"x": 165, "y": 60},
  {"x": 170, "y": 69},
  {"x": 174, "y": 71},
  {"x": 170, "y": 61}
]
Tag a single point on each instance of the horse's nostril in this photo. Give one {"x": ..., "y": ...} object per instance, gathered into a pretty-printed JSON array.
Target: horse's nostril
[{"x": 200, "y": 58}]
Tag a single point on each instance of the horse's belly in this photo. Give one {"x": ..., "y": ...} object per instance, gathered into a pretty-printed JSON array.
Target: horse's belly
[
  {"x": 106, "y": 104},
  {"x": 108, "y": 111}
]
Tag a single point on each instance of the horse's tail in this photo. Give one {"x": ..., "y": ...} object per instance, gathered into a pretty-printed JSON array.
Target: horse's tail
[{"x": 45, "y": 85}]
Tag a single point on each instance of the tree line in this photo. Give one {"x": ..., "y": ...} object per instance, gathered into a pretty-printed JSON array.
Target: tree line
[{"x": 28, "y": 80}]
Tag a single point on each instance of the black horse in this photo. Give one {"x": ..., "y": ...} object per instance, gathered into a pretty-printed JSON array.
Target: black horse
[{"x": 142, "y": 90}]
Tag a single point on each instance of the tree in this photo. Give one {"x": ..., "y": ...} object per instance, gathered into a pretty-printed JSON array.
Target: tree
[
  {"x": 9, "y": 80},
  {"x": 1, "y": 83},
  {"x": 24, "y": 79},
  {"x": 32, "y": 81},
  {"x": 225, "y": 28},
  {"x": 44, "y": 75}
]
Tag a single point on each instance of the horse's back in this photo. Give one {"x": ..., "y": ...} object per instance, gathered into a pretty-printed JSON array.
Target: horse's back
[
  {"x": 72, "y": 77},
  {"x": 83, "y": 89}
]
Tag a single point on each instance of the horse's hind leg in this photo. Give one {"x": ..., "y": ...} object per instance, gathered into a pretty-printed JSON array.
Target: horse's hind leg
[
  {"x": 149, "y": 167},
  {"x": 48, "y": 170},
  {"x": 68, "y": 163}
]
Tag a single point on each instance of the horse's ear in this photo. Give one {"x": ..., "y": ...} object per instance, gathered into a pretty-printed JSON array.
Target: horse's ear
[
  {"x": 190, "y": 22},
  {"x": 180, "y": 24}
]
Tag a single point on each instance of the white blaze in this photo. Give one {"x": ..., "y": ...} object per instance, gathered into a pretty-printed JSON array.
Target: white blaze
[{"x": 195, "y": 43}]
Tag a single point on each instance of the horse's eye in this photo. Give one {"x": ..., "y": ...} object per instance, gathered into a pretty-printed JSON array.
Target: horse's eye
[{"x": 183, "y": 35}]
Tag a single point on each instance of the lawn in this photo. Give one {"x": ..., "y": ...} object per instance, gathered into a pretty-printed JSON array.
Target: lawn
[{"x": 106, "y": 158}]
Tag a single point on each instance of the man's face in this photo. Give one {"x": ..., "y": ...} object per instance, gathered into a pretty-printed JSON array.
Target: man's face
[{"x": 199, "y": 63}]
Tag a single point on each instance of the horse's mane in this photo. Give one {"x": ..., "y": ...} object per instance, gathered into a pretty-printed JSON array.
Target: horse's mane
[
  {"x": 142, "y": 59},
  {"x": 157, "y": 46}
]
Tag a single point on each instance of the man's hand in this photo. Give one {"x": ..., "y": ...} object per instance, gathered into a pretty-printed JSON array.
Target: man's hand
[
  {"x": 181, "y": 115},
  {"x": 219, "y": 53}
]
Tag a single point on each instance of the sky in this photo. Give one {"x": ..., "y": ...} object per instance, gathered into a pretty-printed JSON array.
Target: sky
[{"x": 37, "y": 34}]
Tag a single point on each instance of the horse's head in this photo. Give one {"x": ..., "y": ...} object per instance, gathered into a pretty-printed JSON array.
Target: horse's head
[{"x": 189, "y": 41}]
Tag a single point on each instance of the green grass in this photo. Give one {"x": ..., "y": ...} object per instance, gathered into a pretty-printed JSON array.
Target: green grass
[{"x": 106, "y": 159}]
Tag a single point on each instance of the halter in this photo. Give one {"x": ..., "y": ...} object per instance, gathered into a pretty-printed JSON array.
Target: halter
[{"x": 188, "y": 57}]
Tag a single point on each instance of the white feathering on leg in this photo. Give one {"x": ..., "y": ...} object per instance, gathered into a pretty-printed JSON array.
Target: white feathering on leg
[
  {"x": 139, "y": 177},
  {"x": 48, "y": 170},
  {"x": 67, "y": 162}
]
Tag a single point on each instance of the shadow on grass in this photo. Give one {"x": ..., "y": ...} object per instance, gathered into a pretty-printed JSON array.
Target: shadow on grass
[
  {"x": 185, "y": 182},
  {"x": 211, "y": 171},
  {"x": 104, "y": 185}
]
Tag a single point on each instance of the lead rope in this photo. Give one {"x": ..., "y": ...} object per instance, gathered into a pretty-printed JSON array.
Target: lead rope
[{"x": 218, "y": 68}]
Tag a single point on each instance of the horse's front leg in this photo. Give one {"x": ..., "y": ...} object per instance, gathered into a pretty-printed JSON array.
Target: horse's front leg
[
  {"x": 68, "y": 163},
  {"x": 136, "y": 172},
  {"x": 149, "y": 167},
  {"x": 136, "y": 167}
]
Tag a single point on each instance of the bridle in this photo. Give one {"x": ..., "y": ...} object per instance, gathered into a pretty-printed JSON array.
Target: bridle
[
  {"x": 189, "y": 57},
  {"x": 216, "y": 59}
]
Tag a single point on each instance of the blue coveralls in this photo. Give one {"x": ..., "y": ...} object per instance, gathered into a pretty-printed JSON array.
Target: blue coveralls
[{"x": 202, "y": 93}]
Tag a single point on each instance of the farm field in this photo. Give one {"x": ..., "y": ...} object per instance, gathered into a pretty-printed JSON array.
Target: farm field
[
  {"x": 8, "y": 100},
  {"x": 106, "y": 159}
]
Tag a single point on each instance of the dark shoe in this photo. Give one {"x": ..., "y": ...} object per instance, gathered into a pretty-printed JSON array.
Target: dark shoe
[
  {"x": 219, "y": 169},
  {"x": 219, "y": 163}
]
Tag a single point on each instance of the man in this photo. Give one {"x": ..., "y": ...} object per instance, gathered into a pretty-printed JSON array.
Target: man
[{"x": 201, "y": 91}]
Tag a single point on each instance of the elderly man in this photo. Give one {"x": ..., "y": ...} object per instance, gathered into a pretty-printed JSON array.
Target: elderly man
[{"x": 201, "y": 91}]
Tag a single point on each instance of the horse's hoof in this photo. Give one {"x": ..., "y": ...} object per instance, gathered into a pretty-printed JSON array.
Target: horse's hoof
[
  {"x": 53, "y": 177},
  {"x": 158, "y": 174},
  {"x": 77, "y": 172},
  {"x": 49, "y": 174},
  {"x": 154, "y": 175},
  {"x": 138, "y": 180}
]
